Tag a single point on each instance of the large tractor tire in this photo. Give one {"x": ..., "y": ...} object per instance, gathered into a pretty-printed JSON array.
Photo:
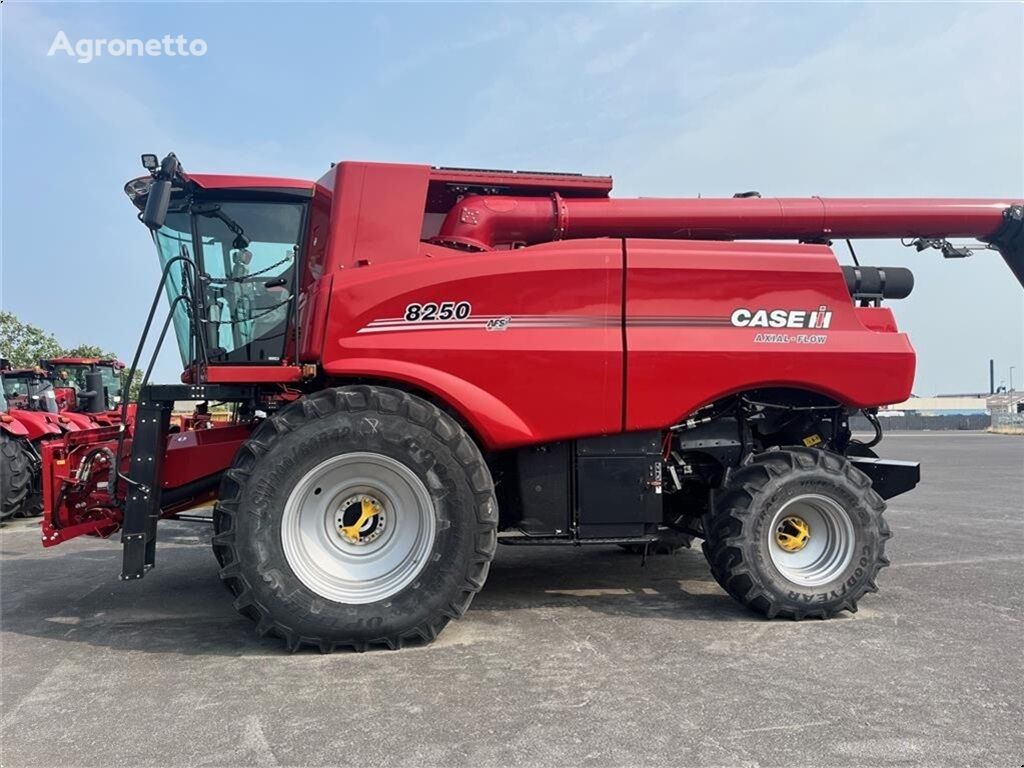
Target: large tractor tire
[
  {"x": 16, "y": 476},
  {"x": 797, "y": 533},
  {"x": 33, "y": 504},
  {"x": 355, "y": 517}
]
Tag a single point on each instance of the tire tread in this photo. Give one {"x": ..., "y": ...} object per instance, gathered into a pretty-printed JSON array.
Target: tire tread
[
  {"x": 16, "y": 494},
  {"x": 733, "y": 508},
  {"x": 356, "y": 399}
]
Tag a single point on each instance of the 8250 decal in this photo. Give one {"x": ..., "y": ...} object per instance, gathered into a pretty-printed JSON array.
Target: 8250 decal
[{"x": 446, "y": 310}]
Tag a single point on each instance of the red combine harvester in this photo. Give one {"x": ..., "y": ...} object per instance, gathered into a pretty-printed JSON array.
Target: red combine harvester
[
  {"x": 29, "y": 416},
  {"x": 87, "y": 385},
  {"x": 424, "y": 362}
]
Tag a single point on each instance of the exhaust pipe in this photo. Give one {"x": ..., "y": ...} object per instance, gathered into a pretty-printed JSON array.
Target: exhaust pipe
[{"x": 94, "y": 398}]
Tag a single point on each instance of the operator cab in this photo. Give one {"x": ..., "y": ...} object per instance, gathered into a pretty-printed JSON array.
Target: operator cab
[
  {"x": 231, "y": 255},
  {"x": 69, "y": 373},
  {"x": 27, "y": 389},
  {"x": 246, "y": 277}
]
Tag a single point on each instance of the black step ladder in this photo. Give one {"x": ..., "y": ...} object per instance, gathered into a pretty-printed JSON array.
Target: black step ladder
[{"x": 142, "y": 502}]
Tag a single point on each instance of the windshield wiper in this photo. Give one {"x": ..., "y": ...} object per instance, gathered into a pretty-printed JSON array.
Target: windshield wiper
[{"x": 213, "y": 211}]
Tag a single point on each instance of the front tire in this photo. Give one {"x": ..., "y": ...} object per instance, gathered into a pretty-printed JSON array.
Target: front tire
[
  {"x": 797, "y": 532},
  {"x": 354, "y": 517}
]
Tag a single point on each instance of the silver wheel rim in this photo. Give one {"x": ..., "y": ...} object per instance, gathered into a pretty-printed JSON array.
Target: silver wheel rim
[
  {"x": 817, "y": 552},
  {"x": 389, "y": 550}
]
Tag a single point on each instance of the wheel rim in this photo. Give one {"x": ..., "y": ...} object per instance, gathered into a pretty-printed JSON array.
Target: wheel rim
[
  {"x": 811, "y": 540},
  {"x": 358, "y": 528}
]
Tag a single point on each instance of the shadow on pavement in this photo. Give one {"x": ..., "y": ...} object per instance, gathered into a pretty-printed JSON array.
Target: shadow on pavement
[{"x": 72, "y": 594}]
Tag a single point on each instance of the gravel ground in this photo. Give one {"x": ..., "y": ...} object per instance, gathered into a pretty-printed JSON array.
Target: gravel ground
[{"x": 570, "y": 656}]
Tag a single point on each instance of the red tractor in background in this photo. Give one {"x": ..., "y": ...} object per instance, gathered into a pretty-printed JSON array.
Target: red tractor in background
[
  {"x": 29, "y": 416},
  {"x": 424, "y": 362},
  {"x": 87, "y": 385}
]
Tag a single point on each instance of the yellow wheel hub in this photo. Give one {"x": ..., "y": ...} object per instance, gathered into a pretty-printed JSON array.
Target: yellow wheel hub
[
  {"x": 793, "y": 533},
  {"x": 369, "y": 508}
]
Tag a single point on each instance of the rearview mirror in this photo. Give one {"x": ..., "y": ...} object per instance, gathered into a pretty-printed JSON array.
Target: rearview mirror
[
  {"x": 159, "y": 197},
  {"x": 157, "y": 202}
]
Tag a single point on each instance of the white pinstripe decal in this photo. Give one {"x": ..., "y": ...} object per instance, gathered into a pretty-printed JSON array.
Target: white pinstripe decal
[{"x": 505, "y": 322}]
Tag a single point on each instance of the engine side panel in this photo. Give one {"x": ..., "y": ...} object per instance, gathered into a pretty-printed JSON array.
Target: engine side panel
[
  {"x": 525, "y": 344},
  {"x": 686, "y": 347}
]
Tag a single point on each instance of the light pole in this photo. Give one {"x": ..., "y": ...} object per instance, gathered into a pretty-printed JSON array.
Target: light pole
[{"x": 1011, "y": 377}]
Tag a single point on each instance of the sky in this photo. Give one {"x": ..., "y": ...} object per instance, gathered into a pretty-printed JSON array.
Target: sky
[{"x": 790, "y": 99}]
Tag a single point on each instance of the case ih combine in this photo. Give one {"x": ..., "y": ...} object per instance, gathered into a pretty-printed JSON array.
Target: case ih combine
[{"x": 425, "y": 362}]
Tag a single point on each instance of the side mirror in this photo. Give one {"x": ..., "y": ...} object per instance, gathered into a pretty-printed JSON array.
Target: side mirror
[{"x": 159, "y": 197}]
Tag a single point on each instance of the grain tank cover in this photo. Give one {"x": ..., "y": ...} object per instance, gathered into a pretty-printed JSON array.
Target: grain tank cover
[{"x": 448, "y": 185}]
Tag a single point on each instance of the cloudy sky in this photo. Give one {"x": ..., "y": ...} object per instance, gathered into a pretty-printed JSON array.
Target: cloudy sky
[{"x": 789, "y": 99}]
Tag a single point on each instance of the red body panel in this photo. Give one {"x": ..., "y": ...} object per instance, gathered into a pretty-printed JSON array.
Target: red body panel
[
  {"x": 554, "y": 371},
  {"x": 376, "y": 214},
  {"x": 12, "y": 426},
  {"x": 194, "y": 454},
  {"x": 250, "y": 374},
  {"x": 315, "y": 280},
  {"x": 572, "y": 340},
  {"x": 80, "y": 420},
  {"x": 40, "y": 424},
  {"x": 683, "y": 351}
]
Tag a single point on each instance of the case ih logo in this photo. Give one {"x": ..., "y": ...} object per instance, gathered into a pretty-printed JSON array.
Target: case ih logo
[{"x": 782, "y": 318}]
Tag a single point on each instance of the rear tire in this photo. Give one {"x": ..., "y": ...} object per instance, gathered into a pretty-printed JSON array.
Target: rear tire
[
  {"x": 17, "y": 470},
  {"x": 32, "y": 506},
  {"x": 796, "y": 533},
  {"x": 304, "y": 571}
]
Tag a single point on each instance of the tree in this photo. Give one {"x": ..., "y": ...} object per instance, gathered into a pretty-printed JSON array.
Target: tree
[
  {"x": 89, "y": 350},
  {"x": 132, "y": 387},
  {"x": 24, "y": 345}
]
